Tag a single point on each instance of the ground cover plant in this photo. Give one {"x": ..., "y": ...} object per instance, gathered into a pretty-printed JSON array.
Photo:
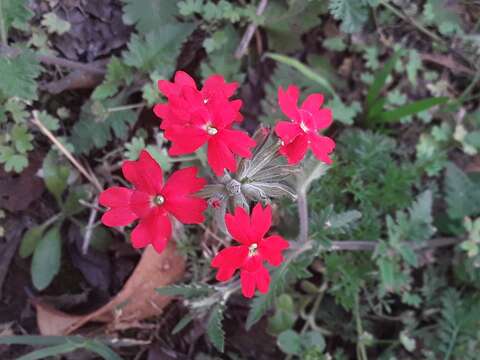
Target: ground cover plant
[{"x": 283, "y": 179}]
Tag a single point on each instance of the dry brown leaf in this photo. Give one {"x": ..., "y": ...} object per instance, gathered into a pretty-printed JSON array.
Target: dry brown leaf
[{"x": 137, "y": 300}]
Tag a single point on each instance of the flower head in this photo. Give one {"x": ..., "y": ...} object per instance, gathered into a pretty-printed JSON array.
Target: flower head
[
  {"x": 152, "y": 202},
  {"x": 192, "y": 118},
  {"x": 301, "y": 132},
  {"x": 253, "y": 250}
]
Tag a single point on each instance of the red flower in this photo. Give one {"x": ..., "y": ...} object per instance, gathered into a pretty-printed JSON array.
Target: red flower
[
  {"x": 253, "y": 251},
  {"x": 192, "y": 118},
  {"x": 302, "y": 131},
  {"x": 152, "y": 202}
]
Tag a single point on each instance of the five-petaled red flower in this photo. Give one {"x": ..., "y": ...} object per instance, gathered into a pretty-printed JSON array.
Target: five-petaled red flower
[
  {"x": 253, "y": 251},
  {"x": 192, "y": 118},
  {"x": 153, "y": 202},
  {"x": 301, "y": 132}
]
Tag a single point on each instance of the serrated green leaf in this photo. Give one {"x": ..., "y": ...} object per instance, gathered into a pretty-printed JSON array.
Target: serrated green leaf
[
  {"x": 50, "y": 122},
  {"x": 215, "y": 331},
  {"x": 182, "y": 324},
  {"x": 148, "y": 15},
  {"x": 158, "y": 50},
  {"x": 411, "y": 109},
  {"x": 16, "y": 14},
  {"x": 19, "y": 74},
  {"x": 134, "y": 148},
  {"x": 352, "y": 13},
  {"x": 117, "y": 74},
  {"x": 343, "y": 112},
  {"x": 11, "y": 160},
  {"x": 55, "y": 24},
  {"x": 46, "y": 259},
  {"x": 462, "y": 194},
  {"x": 17, "y": 109},
  {"x": 21, "y": 138}
]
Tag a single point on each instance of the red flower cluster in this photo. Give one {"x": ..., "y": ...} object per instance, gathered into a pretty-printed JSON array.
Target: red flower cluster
[
  {"x": 302, "y": 131},
  {"x": 152, "y": 202},
  {"x": 253, "y": 250},
  {"x": 192, "y": 118}
]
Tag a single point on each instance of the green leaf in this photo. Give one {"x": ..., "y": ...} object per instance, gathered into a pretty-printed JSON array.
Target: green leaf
[
  {"x": 30, "y": 240},
  {"x": 304, "y": 69},
  {"x": 16, "y": 14},
  {"x": 285, "y": 25},
  {"x": 148, "y": 15},
  {"x": 19, "y": 74},
  {"x": 55, "y": 175},
  {"x": 352, "y": 13},
  {"x": 411, "y": 109},
  {"x": 188, "y": 291},
  {"x": 380, "y": 80},
  {"x": 290, "y": 342},
  {"x": 117, "y": 74},
  {"x": 50, "y": 122},
  {"x": 343, "y": 112},
  {"x": 462, "y": 194},
  {"x": 313, "y": 339},
  {"x": 72, "y": 205},
  {"x": 21, "y": 138},
  {"x": 101, "y": 349},
  {"x": 158, "y": 50},
  {"x": 50, "y": 351},
  {"x": 46, "y": 259},
  {"x": 134, "y": 148},
  {"x": 182, "y": 324},
  {"x": 55, "y": 24},
  {"x": 284, "y": 316},
  {"x": 444, "y": 15},
  {"x": 12, "y": 160},
  {"x": 215, "y": 331},
  {"x": 17, "y": 109}
]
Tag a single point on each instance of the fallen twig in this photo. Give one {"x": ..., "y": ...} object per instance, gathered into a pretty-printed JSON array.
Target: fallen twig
[
  {"x": 247, "y": 36},
  {"x": 93, "y": 180}
]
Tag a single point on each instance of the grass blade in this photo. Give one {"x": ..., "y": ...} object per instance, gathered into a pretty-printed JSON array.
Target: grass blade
[
  {"x": 304, "y": 69},
  {"x": 380, "y": 80},
  {"x": 411, "y": 109}
]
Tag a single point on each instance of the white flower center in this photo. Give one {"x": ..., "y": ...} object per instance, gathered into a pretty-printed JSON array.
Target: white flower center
[
  {"x": 158, "y": 200},
  {"x": 304, "y": 127},
  {"x": 205, "y": 101},
  {"x": 211, "y": 130},
  {"x": 253, "y": 249}
]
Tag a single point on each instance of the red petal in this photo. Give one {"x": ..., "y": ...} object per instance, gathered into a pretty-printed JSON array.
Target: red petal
[
  {"x": 215, "y": 85},
  {"x": 271, "y": 249},
  {"x": 288, "y": 102},
  {"x": 247, "y": 280},
  {"x": 186, "y": 140},
  {"x": 321, "y": 147},
  {"x": 154, "y": 229},
  {"x": 220, "y": 157},
  {"x": 313, "y": 102},
  {"x": 161, "y": 110},
  {"x": 119, "y": 216},
  {"x": 167, "y": 88},
  {"x": 183, "y": 79},
  {"x": 145, "y": 173},
  {"x": 262, "y": 280},
  {"x": 228, "y": 260},
  {"x": 116, "y": 196},
  {"x": 238, "y": 142},
  {"x": 323, "y": 118},
  {"x": 295, "y": 151},
  {"x": 287, "y": 131},
  {"x": 179, "y": 198},
  {"x": 261, "y": 221},
  {"x": 238, "y": 225},
  {"x": 141, "y": 203}
]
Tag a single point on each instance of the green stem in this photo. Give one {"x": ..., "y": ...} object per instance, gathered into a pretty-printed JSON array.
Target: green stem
[
  {"x": 3, "y": 26},
  {"x": 125, "y": 107},
  {"x": 361, "y": 350}
]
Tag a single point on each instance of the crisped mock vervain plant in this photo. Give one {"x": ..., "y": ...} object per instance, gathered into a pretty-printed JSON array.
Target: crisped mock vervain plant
[{"x": 251, "y": 172}]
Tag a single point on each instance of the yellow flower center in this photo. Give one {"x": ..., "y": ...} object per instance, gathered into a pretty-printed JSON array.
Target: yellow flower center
[{"x": 253, "y": 249}]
